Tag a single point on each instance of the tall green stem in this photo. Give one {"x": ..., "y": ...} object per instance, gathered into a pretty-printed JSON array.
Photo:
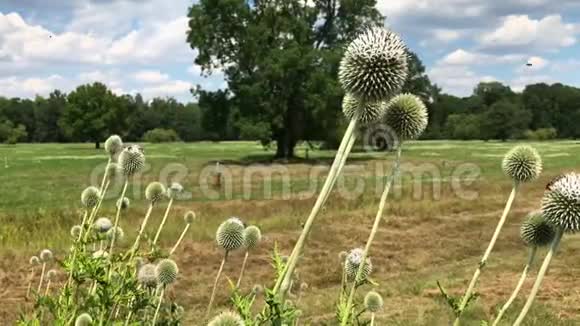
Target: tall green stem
[
  {"x": 158, "y": 306},
  {"x": 483, "y": 260},
  {"x": 215, "y": 283},
  {"x": 141, "y": 230},
  {"x": 180, "y": 239},
  {"x": 283, "y": 282},
  {"x": 373, "y": 319},
  {"x": 30, "y": 282},
  {"x": 163, "y": 221},
  {"x": 115, "y": 229},
  {"x": 242, "y": 270},
  {"x": 518, "y": 286},
  {"x": 41, "y": 278},
  {"x": 378, "y": 218},
  {"x": 540, "y": 277}
]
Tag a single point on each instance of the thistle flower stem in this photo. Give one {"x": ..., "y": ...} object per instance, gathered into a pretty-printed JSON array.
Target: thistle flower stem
[
  {"x": 163, "y": 221},
  {"x": 215, "y": 283},
  {"x": 30, "y": 282},
  {"x": 540, "y": 277},
  {"x": 41, "y": 277},
  {"x": 378, "y": 218},
  {"x": 483, "y": 260},
  {"x": 373, "y": 319},
  {"x": 158, "y": 306},
  {"x": 242, "y": 270},
  {"x": 47, "y": 288},
  {"x": 115, "y": 229},
  {"x": 141, "y": 229},
  {"x": 283, "y": 281},
  {"x": 96, "y": 208},
  {"x": 514, "y": 295},
  {"x": 180, "y": 239}
]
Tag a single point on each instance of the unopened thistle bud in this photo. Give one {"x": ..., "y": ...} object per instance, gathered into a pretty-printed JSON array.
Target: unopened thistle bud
[
  {"x": 407, "y": 116},
  {"x": 227, "y": 318},
  {"x": 166, "y": 272},
  {"x": 154, "y": 192},
  {"x": 230, "y": 234},
  {"x": 45, "y": 255},
  {"x": 174, "y": 190},
  {"x": 90, "y": 197},
  {"x": 113, "y": 145},
  {"x": 189, "y": 217},
  {"x": 373, "y": 302},
  {"x": 522, "y": 164},
  {"x": 252, "y": 237}
]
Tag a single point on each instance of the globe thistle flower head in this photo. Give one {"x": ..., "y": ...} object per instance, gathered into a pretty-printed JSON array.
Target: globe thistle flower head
[
  {"x": 252, "y": 236},
  {"x": 113, "y": 170},
  {"x": 561, "y": 204},
  {"x": 90, "y": 197},
  {"x": 352, "y": 263},
  {"x": 51, "y": 275},
  {"x": 189, "y": 217},
  {"x": 100, "y": 254},
  {"x": 174, "y": 190},
  {"x": 374, "y": 66},
  {"x": 146, "y": 275},
  {"x": 536, "y": 231},
  {"x": 155, "y": 192},
  {"x": 123, "y": 203},
  {"x": 227, "y": 318},
  {"x": 75, "y": 231},
  {"x": 230, "y": 234},
  {"x": 34, "y": 261},
  {"x": 113, "y": 145},
  {"x": 554, "y": 180},
  {"x": 131, "y": 160},
  {"x": 45, "y": 255},
  {"x": 103, "y": 224},
  {"x": 84, "y": 320},
  {"x": 373, "y": 302},
  {"x": 407, "y": 116},
  {"x": 522, "y": 164},
  {"x": 117, "y": 231},
  {"x": 303, "y": 286},
  {"x": 166, "y": 271},
  {"x": 365, "y": 112},
  {"x": 179, "y": 311}
]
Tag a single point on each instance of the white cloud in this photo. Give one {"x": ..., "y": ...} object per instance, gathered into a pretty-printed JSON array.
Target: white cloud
[
  {"x": 465, "y": 57},
  {"x": 170, "y": 88},
  {"x": 30, "y": 87},
  {"x": 549, "y": 33},
  {"x": 519, "y": 83},
  {"x": 151, "y": 76},
  {"x": 457, "y": 79}
]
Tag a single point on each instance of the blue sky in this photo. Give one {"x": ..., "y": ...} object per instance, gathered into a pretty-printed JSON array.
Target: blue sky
[{"x": 139, "y": 45}]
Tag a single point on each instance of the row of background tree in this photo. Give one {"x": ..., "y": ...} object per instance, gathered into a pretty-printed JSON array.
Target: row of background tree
[{"x": 91, "y": 112}]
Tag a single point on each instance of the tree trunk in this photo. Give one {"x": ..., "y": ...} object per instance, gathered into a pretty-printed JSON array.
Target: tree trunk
[
  {"x": 285, "y": 148},
  {"x": 97, "y": 145}
]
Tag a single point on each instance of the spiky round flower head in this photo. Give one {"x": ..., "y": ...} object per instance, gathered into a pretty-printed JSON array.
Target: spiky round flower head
[
  {"x": 113, "y": 145},
  {"x": 374, "y": 66},
  {"x": 75, "y": 231},
  {"x": 227, "y": 318},
  {"x": 45, "y": 255},
  {"x": 373, "y": 301},
  {"x": 561, "y": 205},
  {"x": 407, "y": 116},
  {"x": 100, "y": 254},
  {"x": 113, "y": 170},
  {"x": 252, "y": 236},
  {"x": 103, "y": 224},
  {"x": 131, "y": 160},
  {"x": 146, "y": 275},
  {"x": 352, "y": 263},
  {"x": 84, "y": 320},
  {"x": 230, "y": 234},
  {"x": 522, "y": 163},
  {"x": 174, "y": 190},
  {"x": 366, "y": 112},
  {"x": 90, "y": 197},
  {"x": 189, "y": 217},
  {"x": 123, "y": 203},
  {"x": 536, "y": 231},
  {"x": 303, "y": 286},
  {"x": 51, "y": 275},
  {"x": 120, "y": 234},
  {"x": 34, "y": 261},
  {"x": 166, "y": 271},
  {"x": 155, "y": 192}
]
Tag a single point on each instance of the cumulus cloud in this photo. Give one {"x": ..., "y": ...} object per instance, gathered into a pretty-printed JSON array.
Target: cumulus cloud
[
  {"x": 518, "y": 31},
  {"x": 151, "y": 76},
  {"x": 30, "y": 87},
  {"x": 456, "y": 79},
  {"x": 464, "y": 57}
]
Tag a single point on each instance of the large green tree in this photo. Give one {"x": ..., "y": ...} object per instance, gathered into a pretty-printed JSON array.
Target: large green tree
[
  {"x": 280, "y": 59},
  {"x": 92, "y": 113}
]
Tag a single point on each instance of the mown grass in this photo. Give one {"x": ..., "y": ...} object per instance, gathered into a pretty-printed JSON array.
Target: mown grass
[{"x": 431, "y": 234}]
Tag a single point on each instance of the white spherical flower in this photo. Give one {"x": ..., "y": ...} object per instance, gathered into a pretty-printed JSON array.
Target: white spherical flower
[
  {"x": 113, "y": 145},
  {"x": 561, "y": 204}
]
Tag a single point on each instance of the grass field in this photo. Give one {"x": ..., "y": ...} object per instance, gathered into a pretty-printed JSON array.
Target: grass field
[{"x": 440, "y": 218}]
